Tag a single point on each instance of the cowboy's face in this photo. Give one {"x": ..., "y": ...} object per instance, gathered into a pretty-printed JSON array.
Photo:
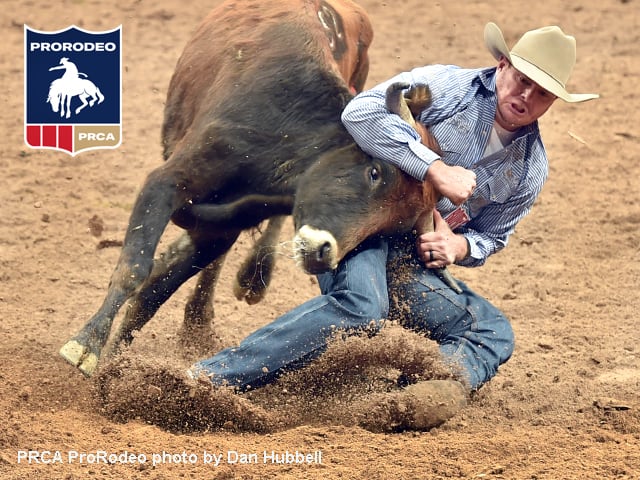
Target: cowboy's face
[{"x": 521, "y": 101}]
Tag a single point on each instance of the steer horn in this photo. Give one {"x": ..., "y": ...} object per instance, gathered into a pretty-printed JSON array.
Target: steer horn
[{"x": 419, "y": 98}]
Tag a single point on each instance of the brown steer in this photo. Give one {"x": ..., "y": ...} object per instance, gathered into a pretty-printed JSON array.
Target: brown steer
[{"x": 252, "y": 119}]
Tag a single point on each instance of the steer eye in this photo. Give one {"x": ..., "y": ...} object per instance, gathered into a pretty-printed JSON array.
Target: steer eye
[{"x": 374, "y": 174}]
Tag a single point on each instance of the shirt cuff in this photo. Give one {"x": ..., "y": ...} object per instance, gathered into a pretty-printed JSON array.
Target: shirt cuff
[
  {"x": 475, "y": 257},
  {"x": 418, "y": 160}
]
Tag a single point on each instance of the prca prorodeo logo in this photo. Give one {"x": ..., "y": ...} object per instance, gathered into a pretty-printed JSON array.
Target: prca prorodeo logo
[{"x": 73, "y": 89}]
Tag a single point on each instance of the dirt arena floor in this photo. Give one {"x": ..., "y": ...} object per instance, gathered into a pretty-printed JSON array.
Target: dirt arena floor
[{"x": 565, "y": 406}]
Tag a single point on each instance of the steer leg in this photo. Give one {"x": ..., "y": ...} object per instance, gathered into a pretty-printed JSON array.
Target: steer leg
[
  {"x": 254, "y": 275},
  {"x": 149, "y": 217},
  {"x": 199, "y": 311},
  {"x": 252, "y": 280},
  {"x": 184, "y": 258},
  {"x": 140, "y": 308}
]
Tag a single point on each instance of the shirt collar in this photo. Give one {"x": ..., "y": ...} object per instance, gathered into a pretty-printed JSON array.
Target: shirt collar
[{"x": 487, "y": 77}]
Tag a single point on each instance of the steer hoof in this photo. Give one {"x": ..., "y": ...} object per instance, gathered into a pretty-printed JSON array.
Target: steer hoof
[
  {"x": 79, "y": 356},
  {"x": 251, "y": 294}
]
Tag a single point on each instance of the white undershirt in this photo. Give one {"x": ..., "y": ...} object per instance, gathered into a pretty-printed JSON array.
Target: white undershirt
[{"x": 498, "y": 139}]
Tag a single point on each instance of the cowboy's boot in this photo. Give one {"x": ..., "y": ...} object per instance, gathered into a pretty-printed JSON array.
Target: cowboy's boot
[{"x": 420, "y": 406}]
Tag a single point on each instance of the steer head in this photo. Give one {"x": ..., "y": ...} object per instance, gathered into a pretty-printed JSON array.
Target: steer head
[{"x": 347, "y": 196}]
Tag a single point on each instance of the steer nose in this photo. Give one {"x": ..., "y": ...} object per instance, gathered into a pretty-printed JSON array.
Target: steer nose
[
  {"x": 316, "y": 251},
  {"x": 323, "y": 252}
]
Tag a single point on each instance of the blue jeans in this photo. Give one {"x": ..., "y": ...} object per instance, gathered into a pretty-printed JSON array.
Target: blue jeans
[{"x": 470, "y": 331}]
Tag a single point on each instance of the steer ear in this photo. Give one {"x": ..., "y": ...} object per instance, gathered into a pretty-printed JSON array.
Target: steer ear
[
  {"x": 418, "y": 98},
  {"x": 407, "y": 106},
  {"x": 396, "y": 103}
]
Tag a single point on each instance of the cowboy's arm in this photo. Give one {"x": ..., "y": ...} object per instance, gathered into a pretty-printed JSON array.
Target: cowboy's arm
[{"x": 386, "y": 136}]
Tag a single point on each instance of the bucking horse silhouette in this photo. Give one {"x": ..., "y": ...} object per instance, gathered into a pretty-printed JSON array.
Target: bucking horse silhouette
[{"x": 63, "y": 89}]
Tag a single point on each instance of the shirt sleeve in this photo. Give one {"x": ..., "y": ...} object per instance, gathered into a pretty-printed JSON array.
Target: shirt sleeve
[
  {"x": 385, "y": 135},
  {"x": 489, "y": 232}
]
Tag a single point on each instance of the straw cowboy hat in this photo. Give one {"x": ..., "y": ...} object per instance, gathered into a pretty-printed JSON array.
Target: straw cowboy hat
[{"x": 545, "y": 55}]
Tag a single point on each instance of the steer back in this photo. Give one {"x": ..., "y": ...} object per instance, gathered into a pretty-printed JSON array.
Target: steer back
[
  {"x": 245, "y": 51},
  {"x": 287, "y": 69}
]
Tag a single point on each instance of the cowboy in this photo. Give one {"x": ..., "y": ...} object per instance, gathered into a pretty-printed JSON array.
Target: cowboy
[
  {"x": 70, "y": 69},
  {"x": 491, "y": 171}
]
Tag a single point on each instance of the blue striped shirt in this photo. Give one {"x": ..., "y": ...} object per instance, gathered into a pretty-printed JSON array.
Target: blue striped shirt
[{"x": 461, "y": 117}]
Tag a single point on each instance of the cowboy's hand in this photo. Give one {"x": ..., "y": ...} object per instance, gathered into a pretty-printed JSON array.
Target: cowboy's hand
[
  {"x": 456, "y": 183},
  {"x": 441, "y": 247}
]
